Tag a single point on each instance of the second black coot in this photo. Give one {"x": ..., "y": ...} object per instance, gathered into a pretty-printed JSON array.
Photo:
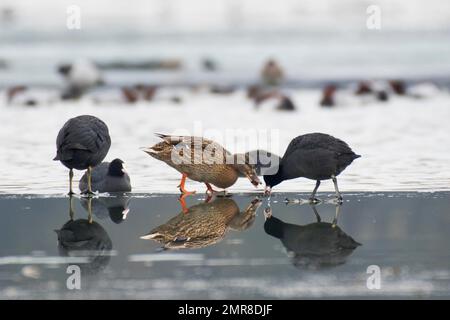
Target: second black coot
[
  {"x": 315, "y": 156},
  {"x": 82, "y": 143},
  {"x": 107, "y": 177}
]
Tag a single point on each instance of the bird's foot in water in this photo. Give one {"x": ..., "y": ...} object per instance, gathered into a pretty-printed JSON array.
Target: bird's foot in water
[
  {"x": 314, "y": 200},
  {"x": 336, "y": 200},
  {"x": 210, "y": 193},
  {"x": 88, "y": 194},
  {"x": 185, "y": 193},
  {"x": 210, "y": 190},
  {"x": 224, "y": 194},
  {"x": 299, "y": 201},
  {"x": 182, "y": 200},
  {"x": 292, "y": 201},
  {"x": 267, "y": 213}
]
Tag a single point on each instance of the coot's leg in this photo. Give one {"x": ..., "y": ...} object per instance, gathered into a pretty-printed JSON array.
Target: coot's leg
[
  {"x": 313, "y": 198},
  {"x": 89, "y": 170},
  {"x": 70, "y": 207},
  {"x": 319, "y": 219},
  {"x": 89, "y": 207},
  {"x": 70, "y": 182},
  {"x": 336, "y": 215},
  {"x": 338, "y": 194},
  {"x": 89, "y": 180},
  {"x": 181, "y": 186}
]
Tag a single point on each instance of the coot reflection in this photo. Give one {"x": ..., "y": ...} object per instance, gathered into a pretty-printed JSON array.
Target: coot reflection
[
  {"x": 315, "y": 245},
  {"x": 85, "y": 238},
  {"x": 115, "y": 208},
  {"x": 205, "y": 224}
]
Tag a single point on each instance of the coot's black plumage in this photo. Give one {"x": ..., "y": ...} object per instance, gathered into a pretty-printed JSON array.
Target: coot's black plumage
[
  {"x": 315, "y": 156},
  {"x": 107, "y": 177},
  {"x": 82, "y": 143}
]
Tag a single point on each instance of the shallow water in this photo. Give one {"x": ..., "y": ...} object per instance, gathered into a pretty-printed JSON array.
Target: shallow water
[{"x": 232, "y": 254}]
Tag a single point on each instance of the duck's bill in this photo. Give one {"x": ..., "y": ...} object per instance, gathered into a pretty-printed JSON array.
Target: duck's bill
[
  {"x": 267, "y": 213},
  {"x": 254, "y": 180},
  {"x": 267, "y": 191}
]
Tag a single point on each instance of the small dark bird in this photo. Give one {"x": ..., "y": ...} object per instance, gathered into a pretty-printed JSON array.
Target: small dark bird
[
  {"x": 82, "y": 143},
  {"x": 398, "y": 86},
  {"x": 107, "y": 177},
  {"x": 315, "y": 156},
  {"x": 328, "y": 93},
  {"x": 364, "y": 87}
]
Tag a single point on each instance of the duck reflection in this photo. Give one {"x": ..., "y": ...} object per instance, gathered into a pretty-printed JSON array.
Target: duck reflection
[
  {"x": 315, "y": 245},
  {"x": 204, "y": 224},
  {"x": 85, "y": 238},
  {"x": 115, "y": 208}
]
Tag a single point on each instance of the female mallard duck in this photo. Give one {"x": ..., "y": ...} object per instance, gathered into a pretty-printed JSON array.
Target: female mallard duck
[
  {"x": 201, "y": 160},
  {"x": 206, "y": 224}
]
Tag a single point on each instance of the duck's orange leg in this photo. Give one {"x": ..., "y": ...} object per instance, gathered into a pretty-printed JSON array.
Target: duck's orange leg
[
  {"x": 181, "y": 186},
  {"x": 182, "y": 200}
]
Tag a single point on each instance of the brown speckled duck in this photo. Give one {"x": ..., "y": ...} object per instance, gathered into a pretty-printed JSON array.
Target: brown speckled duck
[
  {"x": 206, "y": 224},
  {"x": 201, "y": 160}
]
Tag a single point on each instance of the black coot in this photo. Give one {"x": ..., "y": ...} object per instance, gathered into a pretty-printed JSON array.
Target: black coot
[
  {"x": 107, "y": 177},
  {"x": 82, "y": 143},
  {"x": 315, "y": 156}
]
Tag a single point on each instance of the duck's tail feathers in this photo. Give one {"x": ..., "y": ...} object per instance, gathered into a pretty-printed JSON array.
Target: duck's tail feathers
[
  {"x": 170, "y": 139},
  {"x": 161, "y": 135}
]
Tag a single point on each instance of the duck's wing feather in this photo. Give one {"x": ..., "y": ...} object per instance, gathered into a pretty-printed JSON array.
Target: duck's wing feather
[{"x": 193, "y": 142}]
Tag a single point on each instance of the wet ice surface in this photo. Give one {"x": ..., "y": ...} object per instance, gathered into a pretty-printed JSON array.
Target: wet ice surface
[
  {"x": 403, "y": 143},
  {"x": 231, "y": 253}
]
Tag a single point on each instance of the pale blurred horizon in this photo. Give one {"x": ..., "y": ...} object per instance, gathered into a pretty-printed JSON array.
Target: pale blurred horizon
[
  {"x": 315, "y": 41},
  {"x": 181, "y": 16}
]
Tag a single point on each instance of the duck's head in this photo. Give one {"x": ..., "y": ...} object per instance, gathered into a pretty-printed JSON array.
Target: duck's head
[
  {"x": 116, "y": 168},
  {"x": 248, "y": 171}
]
